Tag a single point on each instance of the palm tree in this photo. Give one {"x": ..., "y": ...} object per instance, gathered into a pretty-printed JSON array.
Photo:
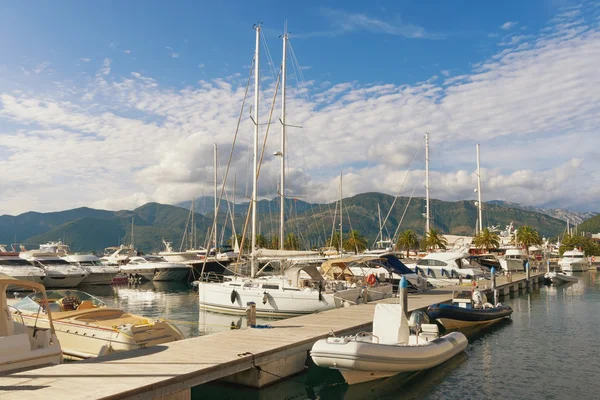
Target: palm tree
[
  {"x": 487, "y": 240},
  {"x": 261, "y": 241},
  {"x": 291, "y": 242},
  {"x": 527, "y": 236},
  {"x": 435, "y": 239},
  {"x": 334, "y": 241},
  {"x": 274, "y": 242},
  {"x": 408, "y": 240},
  {"x": 355, "y": 242}
]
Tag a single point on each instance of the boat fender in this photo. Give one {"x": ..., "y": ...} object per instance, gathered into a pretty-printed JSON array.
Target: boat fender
[
  {"x": 265, "y": 297},
  {"x": 429, "y": 272},
  {"x": 320, "y": 291},
  {"x": 488, "y": 305},
  {"x": 105, "y": 350},
  {"x": 233, "y": 296}
]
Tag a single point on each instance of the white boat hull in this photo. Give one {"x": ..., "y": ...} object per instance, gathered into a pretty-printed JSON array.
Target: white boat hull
[
  {"x": 82, "y": 339},
  {"x": 99, "y": 278},
  {"x": 176, "y": 272},
  {"x": 19, "y": 351},
  {"x": 58, "y": 280},
  {"x": 363, "y": 361},
  {"x": 269, "y": 303},
  {"x": 573, "y": 266},
  {"x": 558, "y": 278}
]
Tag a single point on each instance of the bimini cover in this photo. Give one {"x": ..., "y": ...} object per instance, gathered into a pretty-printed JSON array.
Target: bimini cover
[{"x": 390, "y": 324}]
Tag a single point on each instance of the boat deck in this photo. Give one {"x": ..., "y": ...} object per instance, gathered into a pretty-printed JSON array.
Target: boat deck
[{"x": 170, "y": 370}]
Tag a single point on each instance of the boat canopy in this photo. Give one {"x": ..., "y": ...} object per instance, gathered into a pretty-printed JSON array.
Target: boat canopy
[
  {"x": 338, "y": 268},
  {"x": 293, "y": 274}
]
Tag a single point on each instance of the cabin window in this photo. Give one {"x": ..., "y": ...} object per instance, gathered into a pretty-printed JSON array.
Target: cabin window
[
  {"x": 275, "y": 287},
  {"x": 234, "y": 284}
]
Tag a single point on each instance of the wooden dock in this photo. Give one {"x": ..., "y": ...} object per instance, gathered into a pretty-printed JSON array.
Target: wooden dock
[{"x": 170, "y": 371}]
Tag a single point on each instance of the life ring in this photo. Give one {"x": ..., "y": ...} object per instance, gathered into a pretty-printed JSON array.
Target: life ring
[
  {"x": 592, "y": 259},
  {"x": 371, "y": 279}
]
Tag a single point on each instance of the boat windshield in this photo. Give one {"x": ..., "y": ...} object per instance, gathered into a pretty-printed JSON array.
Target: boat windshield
[
  {"x": 15, "y": 261},
  {"x": 90, "y": 263},
  {"x": 53, "y": 262},
  {"x": 59, "y": 300},
  {"x": 574, "y": 256}
]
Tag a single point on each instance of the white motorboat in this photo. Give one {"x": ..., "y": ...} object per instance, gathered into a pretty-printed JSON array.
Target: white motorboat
[
  {"x": 117, "y": 255},
  {"x": 558, "y": 278},
  {"x": 97, "y": 273},
  {"x": 86, "y": 327},
  {"x": 280, "y": 296},
  {"x": 574, "y": 261},
  {"x": 16, "y": 267},
  {"x": 155, "y": 268},
  {"x": 59, "y": 273},
  {"x": 514, "y": 260},
  {"x": 389, "y": 350},
  {"x": 23, "y": 346},
  {"x": 447, "y": 268}
]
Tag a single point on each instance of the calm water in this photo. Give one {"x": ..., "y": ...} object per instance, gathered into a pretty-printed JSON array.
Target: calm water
[{"x": 550, "y": 349}]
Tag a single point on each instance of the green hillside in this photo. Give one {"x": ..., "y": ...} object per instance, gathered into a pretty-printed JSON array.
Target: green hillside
[
  {"x": 591, "y": 225},
  {"x": 86, "y": 229}
]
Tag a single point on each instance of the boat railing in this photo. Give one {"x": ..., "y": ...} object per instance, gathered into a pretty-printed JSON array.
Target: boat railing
[
  {"x": 16, "y": 312},
  {"x": 209, "y": 277}
]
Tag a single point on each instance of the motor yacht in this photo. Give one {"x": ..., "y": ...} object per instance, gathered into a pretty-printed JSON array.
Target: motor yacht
[
  {"x": 514, "y": 260},
  {"x": 97, "y": 273},
  {"x": 447, "y": 268},
  {"x": 87, "y": 327},
  {"x": 155, "y": 268},
  {"x": 59, "y": 273},
  {"x": 16, "y": 267},
  {"x": 117, "y": 255},
  {"x": 25, "y": 346},
  {"x": 574, "y": 261}
]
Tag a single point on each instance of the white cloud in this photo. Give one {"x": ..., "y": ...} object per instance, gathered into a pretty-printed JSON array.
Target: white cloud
[
  {"x": 508, "y": 25},
  {"x": 201, "y": 65},
  {"x": 345, "y": 22},
  {"x": 445, "y": 72},
  {"x": 85, "y": 59},
  {"x": 127, "y": 51},
  {"x": 534, "y": 107},
  {"x": 172, "y": 53}
]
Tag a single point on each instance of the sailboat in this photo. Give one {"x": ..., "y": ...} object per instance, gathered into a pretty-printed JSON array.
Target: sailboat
[{"x": 300, "y": 289}]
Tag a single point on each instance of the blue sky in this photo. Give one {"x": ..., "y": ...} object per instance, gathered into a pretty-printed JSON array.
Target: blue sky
[{"x": 144, "y": 88}]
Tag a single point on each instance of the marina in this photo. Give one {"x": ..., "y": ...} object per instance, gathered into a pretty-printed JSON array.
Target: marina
[
  {"x": 173, "y": 369},
  {"x": 375, "y": 208}
]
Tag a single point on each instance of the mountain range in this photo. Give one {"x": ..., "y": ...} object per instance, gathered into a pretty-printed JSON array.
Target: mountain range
[
  {"x": 87, "y": 229},
  {"x": 558, "y": 213}
]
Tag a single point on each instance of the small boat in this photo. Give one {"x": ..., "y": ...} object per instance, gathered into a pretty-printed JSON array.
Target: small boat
[
  {"x": 558, "y": 278},
  {"x": 87, "y": 328},
  {"x": 59, "y": 273},
  {"x": 23, "y": 346},
  {"x": 389, "y": 350},
  {"x": 468, "y": 312}
]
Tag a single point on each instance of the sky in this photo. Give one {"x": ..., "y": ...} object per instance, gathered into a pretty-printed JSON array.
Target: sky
[{"x": 115, "y": 104}]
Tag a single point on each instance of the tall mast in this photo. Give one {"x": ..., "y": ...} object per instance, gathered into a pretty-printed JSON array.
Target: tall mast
[
  {"x": 215, "y": 194},
  {"x": 341, "y": 217},
  {"x": 427, "y": 215},
  {"x": 282, "y": 186},
  {"x": 479, "y": 192},
  {"x": 255, "y": 166},
  {"x": 132, "y": 235},
  {"x": 233, "y": 235},
  {"x": 193, "y": 227}
]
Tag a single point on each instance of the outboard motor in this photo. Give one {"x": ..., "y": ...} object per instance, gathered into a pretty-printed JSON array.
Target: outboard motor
[
  {"x": 417, "y": 318},
  {"x": 479, "y": 298}
]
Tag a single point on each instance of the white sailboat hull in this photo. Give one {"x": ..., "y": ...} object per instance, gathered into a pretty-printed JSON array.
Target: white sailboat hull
[{"x": 274, "y": 303}]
